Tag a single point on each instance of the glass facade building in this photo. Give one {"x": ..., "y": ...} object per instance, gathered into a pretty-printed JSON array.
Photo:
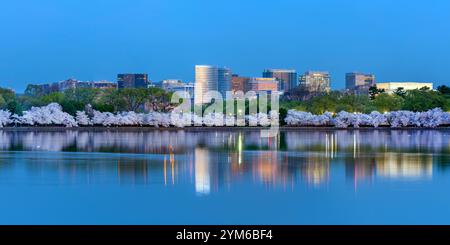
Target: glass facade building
[
  {"x": 316, "y": 81},
  {"x": 359, "y": 83},
  {"x": 287, "y": 78},
  {"x": 206, "y": 79},
  {"x": 132, "y": 81},
  {"x": 210, "y": 78},
  {"x": 224, "y": 78}
]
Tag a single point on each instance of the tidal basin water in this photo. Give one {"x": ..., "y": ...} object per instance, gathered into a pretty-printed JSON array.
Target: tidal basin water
[{"x": 304, "y": 176}]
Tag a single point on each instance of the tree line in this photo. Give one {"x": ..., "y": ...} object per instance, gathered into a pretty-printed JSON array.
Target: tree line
[
  {"x": 157, "y": 99},
  {"x": 377, "y": 100},
  {"x": 76, "y": 99}
]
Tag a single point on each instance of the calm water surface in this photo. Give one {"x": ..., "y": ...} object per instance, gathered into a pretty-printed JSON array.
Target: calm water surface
[{"x": 225, "y": 177}]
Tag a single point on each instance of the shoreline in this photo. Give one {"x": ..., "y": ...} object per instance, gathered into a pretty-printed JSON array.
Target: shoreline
[{"x": 198, "y": 129}]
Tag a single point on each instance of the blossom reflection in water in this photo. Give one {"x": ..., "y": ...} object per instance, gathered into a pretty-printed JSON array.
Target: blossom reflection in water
[
  {"x": 211, "y": 161},
  {"x": 224, "y": 176}
]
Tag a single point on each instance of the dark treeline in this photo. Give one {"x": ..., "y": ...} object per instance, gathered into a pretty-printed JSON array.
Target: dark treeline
[
  {"x": 377, "y": 100},
  {"x": 156, "y": 99},
  {"x": 72, "y": 100}
]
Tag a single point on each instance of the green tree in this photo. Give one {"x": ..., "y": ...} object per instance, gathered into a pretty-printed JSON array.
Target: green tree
[
  {"x": 293, "y": 104},
  {"x": 443, "y": 89},
  {"x": 423, "y": 100},
  {"x": 400, "y": 92},
  {"x": 10, "y": 101},
  {"x": 55, "y": 97},
  {"x": 374, "y": 91},
  {"x": 385, "y": 102},
  {"x": 7, "y": 94},
  {"x": 321, "y": 104},
  {"x": 15, "y": 107},
  {"x": 158, "y": 99},
  {"x": 353, "y": 103},
  {"x": 133, "y": 98},
  {"x": 282, "y": 116},
  {"x": 3, "y": 103},
  {"x": 109, "y": 100},
  {"x": 34, "y": 90},
  {"x": 82, "y": 95}
]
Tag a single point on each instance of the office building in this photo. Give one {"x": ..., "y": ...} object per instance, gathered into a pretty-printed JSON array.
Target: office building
[
  {"x": 97, "y": 84},
  {"x": 210, "y": 78},
  {"x": 259, "y": 84},
  {"x": 359, "y": 82},
  {"x": 239, "y": 83},
  {"x": 316, "y": 81},
  {"x": 390, "y": 87},
  {"x": 287, "y": 78},
  {"x": 103, "y": 84},
  {"x": 224, "y": 80},
  {"x": 70, "y": 83},
  {"x": 169, "y": 83},
  {"x": 67, "y": 84},
  {"x": 132, "y": 81},
  {"x": 175, "y": 85}
]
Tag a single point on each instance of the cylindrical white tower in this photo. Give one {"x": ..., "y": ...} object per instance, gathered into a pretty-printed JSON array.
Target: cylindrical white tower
[{"x": 206, "y": 79}]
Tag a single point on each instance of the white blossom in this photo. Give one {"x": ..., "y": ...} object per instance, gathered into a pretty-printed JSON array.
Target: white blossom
[
  {"x": 432, "y": 118},
  {"x": 83, "y": 119},
  {"x": 5, "y": 118},
  {"x": 213, "y": 119},
  {"x": 378, "y": 119},
  {"x": 50, "y": 114}
]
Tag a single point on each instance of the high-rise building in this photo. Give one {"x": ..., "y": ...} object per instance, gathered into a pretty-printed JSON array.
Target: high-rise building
[
  {"x": 239, "y": 83},
  {"x": 259, "y": 84},
  {"x": 359, "y": 82},
  {"x": 316, "y": 81},
  {"x": 224, "y": 80},
  {"x": 132, "y": 81},
  {"x": 206, "y": 79},
  {"x": 390, "y": 87},
  {"x": 210, "y": 78},
  {"x": 287, "y": 78}
]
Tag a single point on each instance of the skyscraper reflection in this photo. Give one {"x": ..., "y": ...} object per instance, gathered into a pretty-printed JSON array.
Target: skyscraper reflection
[
  {"x": 222, "y": 160},
  {"x": 404, "y": 165},
  {"x": 202, "y": 174},
  {"x": 316, "y": 169}
]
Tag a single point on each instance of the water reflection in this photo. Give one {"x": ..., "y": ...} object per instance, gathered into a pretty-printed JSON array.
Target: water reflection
[{"x": 211, "y": 161}]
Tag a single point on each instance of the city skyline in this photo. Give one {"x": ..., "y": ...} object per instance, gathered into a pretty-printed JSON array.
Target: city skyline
[
  {"x": 50, "y": 40},
  {"x": 222, "y": 79},
  {"x": 298, "y": 78}
]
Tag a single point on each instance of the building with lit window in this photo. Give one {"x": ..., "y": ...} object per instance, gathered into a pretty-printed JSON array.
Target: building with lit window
[
  {"x": 224, "y": 78},
  {"x": 239, "y": 83},
  {"x": 359, "y": 82},
  {"x": 210, "y": 78},
  {"x": 316, "y": 81},
  {"x": 132, "y": 81},
  {"x": 286, "y": 78},
  {"x": 262, "y": 84}
]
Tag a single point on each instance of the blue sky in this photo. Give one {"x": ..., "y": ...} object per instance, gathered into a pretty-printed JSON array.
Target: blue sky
[{"x": 50, "y": 40}]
